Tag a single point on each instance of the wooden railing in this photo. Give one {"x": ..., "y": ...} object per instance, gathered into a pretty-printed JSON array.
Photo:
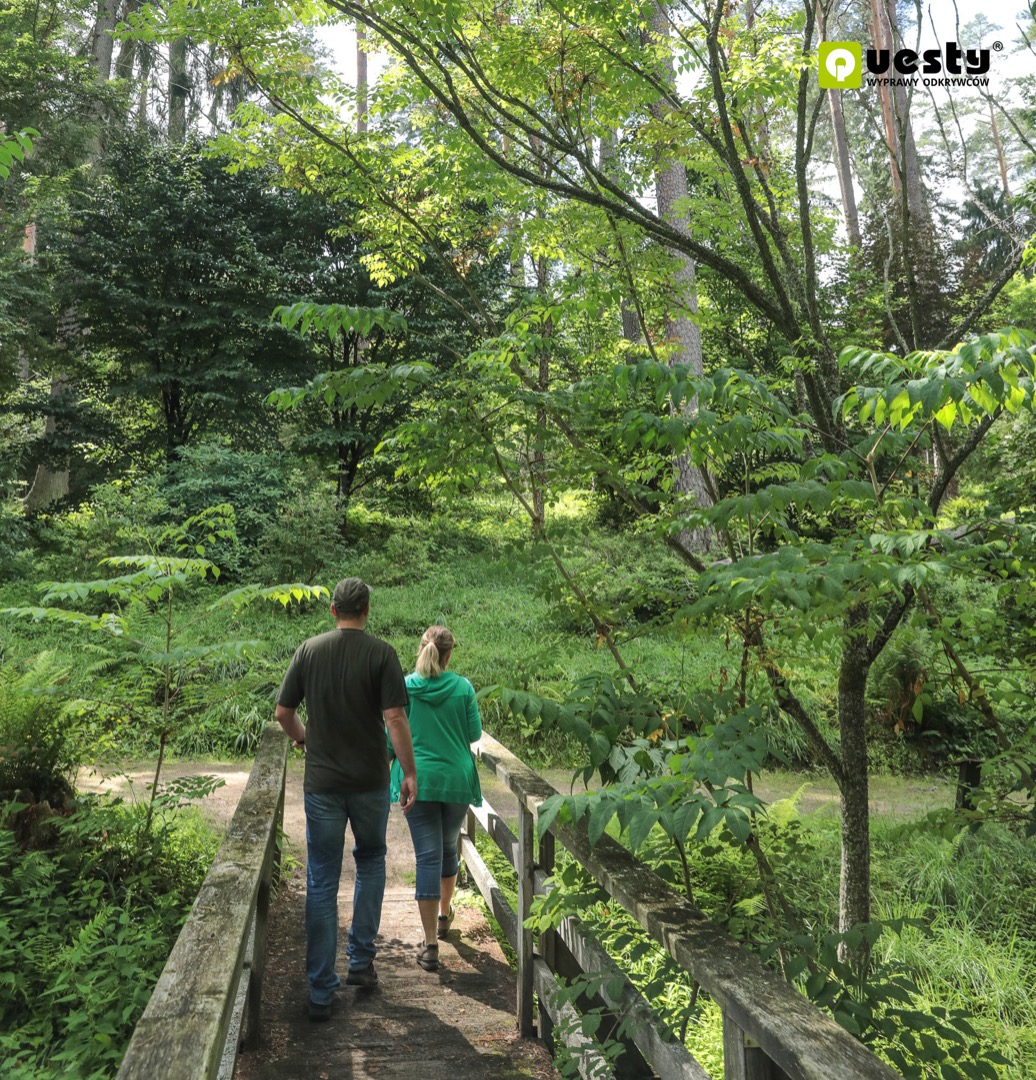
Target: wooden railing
[
  {"x": 770, "y": 1031},
  {"x": 191, "y": 1028}
]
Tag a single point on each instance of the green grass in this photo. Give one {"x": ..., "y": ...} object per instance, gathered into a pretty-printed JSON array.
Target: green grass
[{"x": 478, "y": 574}]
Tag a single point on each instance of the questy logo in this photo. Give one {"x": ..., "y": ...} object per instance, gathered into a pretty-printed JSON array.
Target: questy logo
[
  {"x": 841, "y": 65},
  {"x": 844, "y": 65}
]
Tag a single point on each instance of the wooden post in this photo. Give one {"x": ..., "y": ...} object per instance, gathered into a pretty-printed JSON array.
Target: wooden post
[
  {"x": 470, "y": 830},
  {"x": 526, "y": 1027},
  {"x": 742, "y": 1060},
  {"x": 548, "y": 940}
]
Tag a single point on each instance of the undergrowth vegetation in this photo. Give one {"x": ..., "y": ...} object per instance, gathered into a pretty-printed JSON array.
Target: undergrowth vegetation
[
  {"x": 86, "y": 924},
  {"x": 953, "y": 921}
]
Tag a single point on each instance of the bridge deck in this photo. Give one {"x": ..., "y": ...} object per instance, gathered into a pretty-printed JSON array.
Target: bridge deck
[{"x": 457, "y": 1023}]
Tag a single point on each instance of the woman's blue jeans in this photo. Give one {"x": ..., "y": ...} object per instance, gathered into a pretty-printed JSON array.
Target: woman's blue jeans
[
  {"x": 434, "y": 829},
  {"x": 326, "y": 817}
]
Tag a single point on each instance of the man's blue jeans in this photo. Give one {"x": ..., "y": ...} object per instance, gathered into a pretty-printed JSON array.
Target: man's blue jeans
[
  {"x": 434, "y": 829},
  {"x": 326, "y": 817}
]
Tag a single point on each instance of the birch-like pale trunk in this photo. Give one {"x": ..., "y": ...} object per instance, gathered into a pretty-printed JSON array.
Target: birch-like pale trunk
[
  {"x": 361, "y": 78},
  {"x": 681, "y": 327},
  {"x": 840, "y": 142}
]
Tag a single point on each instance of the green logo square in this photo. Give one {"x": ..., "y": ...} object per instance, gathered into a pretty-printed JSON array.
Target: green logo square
[{"x": 841, "y": 65}]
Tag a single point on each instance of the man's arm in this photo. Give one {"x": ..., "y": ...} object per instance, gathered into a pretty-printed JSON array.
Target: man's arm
[
  {"x": 293, "y": 726},
  {"x": 399, "y": 732}
]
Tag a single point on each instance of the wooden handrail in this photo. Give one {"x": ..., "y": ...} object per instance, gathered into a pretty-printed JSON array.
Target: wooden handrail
[
  {"x": 770, "y": 1030},
  {"x": 184, "y": 1029}
]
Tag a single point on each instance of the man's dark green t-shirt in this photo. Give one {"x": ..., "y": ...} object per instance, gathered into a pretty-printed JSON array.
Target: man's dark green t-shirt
[{"x": 347, "y": 679}]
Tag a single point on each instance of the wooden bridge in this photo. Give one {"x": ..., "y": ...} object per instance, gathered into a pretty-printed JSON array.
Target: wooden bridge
[{"x": 231, "y": 1000}]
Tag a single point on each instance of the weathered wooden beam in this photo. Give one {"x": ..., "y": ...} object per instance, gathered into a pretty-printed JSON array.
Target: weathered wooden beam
[
  {"x": 669, "y": 1058},
  {"x": 490, "y": 890},
  {"x": 526, "y": 886},
  {"x": 804, "y": 1042},
  {"x": 184, "y": 1027},
  {"x": 497, "y": 830}
]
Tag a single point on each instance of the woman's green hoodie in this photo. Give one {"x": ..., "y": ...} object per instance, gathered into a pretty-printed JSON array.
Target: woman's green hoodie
[{"x": 444, "y": 721}]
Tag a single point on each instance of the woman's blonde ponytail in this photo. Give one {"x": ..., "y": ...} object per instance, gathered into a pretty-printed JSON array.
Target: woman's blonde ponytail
[{"x": 436, "y": 644}]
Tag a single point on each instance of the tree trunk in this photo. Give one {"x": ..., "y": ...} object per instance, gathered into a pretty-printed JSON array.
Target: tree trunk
[
  {"x": 895, "y": 107},
  {"x": 537, "y": 459},
  {"x": 844, "y": 169},
  {"x": 49, "y": 486},
  {"x": 999, "y": 149},
  {"x": 361, "y": 78},
  {"x": 841, "y": 151},
  {"x": 178, "y": 89},
  {"x": 855, "y": 883},
  {"x": 627, "y": 308},
  {"x": 895, "y": 111},
  {"x": 101, "y": 41},
  {"x": 128, "y": 50},
  {"x": 682, "y": 331},
  {"x": 914, "y": 224}
]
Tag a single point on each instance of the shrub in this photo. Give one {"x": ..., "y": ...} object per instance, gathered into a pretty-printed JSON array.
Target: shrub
[
  {"x": 39, "y": 751},
  {"x": 301, "y": 541},
  {"x": 253, "y": 483},
  {"x": 85, "y": 929},
  {"x": 118, "y": 517}
]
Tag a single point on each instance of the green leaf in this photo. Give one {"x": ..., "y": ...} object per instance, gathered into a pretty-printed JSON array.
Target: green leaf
[{"x": 602, "y": 810}]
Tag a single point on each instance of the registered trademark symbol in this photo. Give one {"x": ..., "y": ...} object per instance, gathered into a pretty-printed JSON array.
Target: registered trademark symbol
[{"x": 998, "y": 46}]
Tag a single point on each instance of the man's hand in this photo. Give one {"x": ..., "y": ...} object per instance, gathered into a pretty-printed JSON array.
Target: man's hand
[{"x": 408, "y": 792}]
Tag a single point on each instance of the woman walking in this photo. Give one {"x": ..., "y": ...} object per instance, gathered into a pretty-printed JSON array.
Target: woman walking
[{"x": 444, "y": 722}]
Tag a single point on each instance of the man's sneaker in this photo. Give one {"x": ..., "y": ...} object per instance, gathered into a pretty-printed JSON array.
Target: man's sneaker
[
  {"x": 442, "y": 930},
  {"x": 366, "y": 977},
  {"x": 428, "y": 957},
  {"x": 319, "y": 1012}
]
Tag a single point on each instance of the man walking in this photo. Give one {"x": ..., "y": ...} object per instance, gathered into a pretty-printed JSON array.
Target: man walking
[{"x": 353, "y": 687}]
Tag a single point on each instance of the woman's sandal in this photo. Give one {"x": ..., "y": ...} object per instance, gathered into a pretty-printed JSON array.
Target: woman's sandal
[
  {"x": 428, "y": 957},
  {"x": 442, "y": 930}
]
